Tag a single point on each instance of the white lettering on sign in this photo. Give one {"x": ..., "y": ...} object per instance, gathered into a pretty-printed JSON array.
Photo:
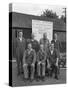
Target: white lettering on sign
[{"x": 39, "y": 27}]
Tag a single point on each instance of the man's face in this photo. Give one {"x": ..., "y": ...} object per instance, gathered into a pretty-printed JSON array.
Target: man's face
[
  {"x": 45, "y": 36},
  {"x": 29, "y": 46},
  {"x": 20, "y": 34},
  {"x": 41, "y": 47},
  {"x": 55, "y": 36},
  {"x": 52, "y": 46}
]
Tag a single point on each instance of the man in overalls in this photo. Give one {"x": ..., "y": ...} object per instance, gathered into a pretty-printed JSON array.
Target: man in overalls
[
  {"x": 29, "y": 60},
  {"x": 20, "y": 48}
]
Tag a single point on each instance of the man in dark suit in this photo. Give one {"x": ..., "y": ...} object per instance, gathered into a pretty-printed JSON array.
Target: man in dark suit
[
  {"x": 20, "y": 48},
  {"x": 57, "y": 44},
  {"x": 52, "y": 60},
  {"x": 29, "y": 60},
  {"x": 35, "y": 44}
]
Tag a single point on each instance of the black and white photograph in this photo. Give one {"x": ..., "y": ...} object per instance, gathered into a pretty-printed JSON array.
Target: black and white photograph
[{"x": 37, "y": 44}]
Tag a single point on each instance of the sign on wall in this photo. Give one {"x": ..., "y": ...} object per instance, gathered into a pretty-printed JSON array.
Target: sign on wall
[{"x": 39, "y": 27}]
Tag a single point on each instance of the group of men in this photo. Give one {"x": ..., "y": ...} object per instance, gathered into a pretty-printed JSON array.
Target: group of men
[{"x": 35, "y": 59}]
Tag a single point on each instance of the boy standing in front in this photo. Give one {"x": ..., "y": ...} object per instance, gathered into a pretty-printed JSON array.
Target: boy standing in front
[{"x": 52, "y": 60}]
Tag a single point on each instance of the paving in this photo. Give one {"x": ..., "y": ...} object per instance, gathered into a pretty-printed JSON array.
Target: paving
[{"x": 18, "y": 80}]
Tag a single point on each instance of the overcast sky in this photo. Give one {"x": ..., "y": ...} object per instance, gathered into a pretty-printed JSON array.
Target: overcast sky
[{"x": 36, "y": 9}]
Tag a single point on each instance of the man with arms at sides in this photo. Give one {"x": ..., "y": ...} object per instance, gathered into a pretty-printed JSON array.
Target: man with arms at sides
[
  {"x": 57, "y": 44},
  {"x": 52, "y": 60},
  {"x": 41, "y": 62},
  {"x": 20, "y": 48},
  {"x": 29, "y": 60}
]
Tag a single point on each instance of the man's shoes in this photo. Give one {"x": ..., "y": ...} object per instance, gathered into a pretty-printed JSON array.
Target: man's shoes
[
  {"x": 22, "y": 72},
  {"x": 56, "y": 77},
  {"x": 43, "y": 78},
  {"x": 25, "y": 79},
  {"x": 31, "y": 80},
  {"x": 37, "y": 79}
]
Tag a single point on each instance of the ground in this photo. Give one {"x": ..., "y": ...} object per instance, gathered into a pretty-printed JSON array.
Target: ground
[{"x": 18, "y": 80}]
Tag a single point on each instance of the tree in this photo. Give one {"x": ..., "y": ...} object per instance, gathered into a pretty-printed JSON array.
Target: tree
[
  {"x": 63, "y": 18},
  {"x": 49, "y": 13}
]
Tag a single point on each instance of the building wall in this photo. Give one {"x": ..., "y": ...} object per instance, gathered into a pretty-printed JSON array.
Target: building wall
[{"x": 61, "y": 36}]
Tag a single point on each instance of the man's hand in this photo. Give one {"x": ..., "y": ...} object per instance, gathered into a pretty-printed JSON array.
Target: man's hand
[
  {"x": 43, "y": 63},
  {"x": 39, "y": 62},
  {"x": 24, "y": 64},
  {"x": 48, "y": 66},
  {"x": 56, "y": 64},
  {"x": 32, "y": 64}
]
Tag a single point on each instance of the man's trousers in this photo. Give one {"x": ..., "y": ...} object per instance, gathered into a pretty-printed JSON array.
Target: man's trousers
[
  {"x": 54, "y": 69},
  {"x": 19, "y": 64},
  {"x": 28, "y": 71},
  {"x": 41, "y": 69}
]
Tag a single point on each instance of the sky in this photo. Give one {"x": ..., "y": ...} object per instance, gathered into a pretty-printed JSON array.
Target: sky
[{"x": 36, "y": 9}]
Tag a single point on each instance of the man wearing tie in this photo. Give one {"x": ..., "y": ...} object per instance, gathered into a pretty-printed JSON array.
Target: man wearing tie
[{"x": 52, "y": 60}]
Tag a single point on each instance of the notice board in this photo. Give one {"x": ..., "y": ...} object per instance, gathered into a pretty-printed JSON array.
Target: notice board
[{"x": 39, "y": 27}]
